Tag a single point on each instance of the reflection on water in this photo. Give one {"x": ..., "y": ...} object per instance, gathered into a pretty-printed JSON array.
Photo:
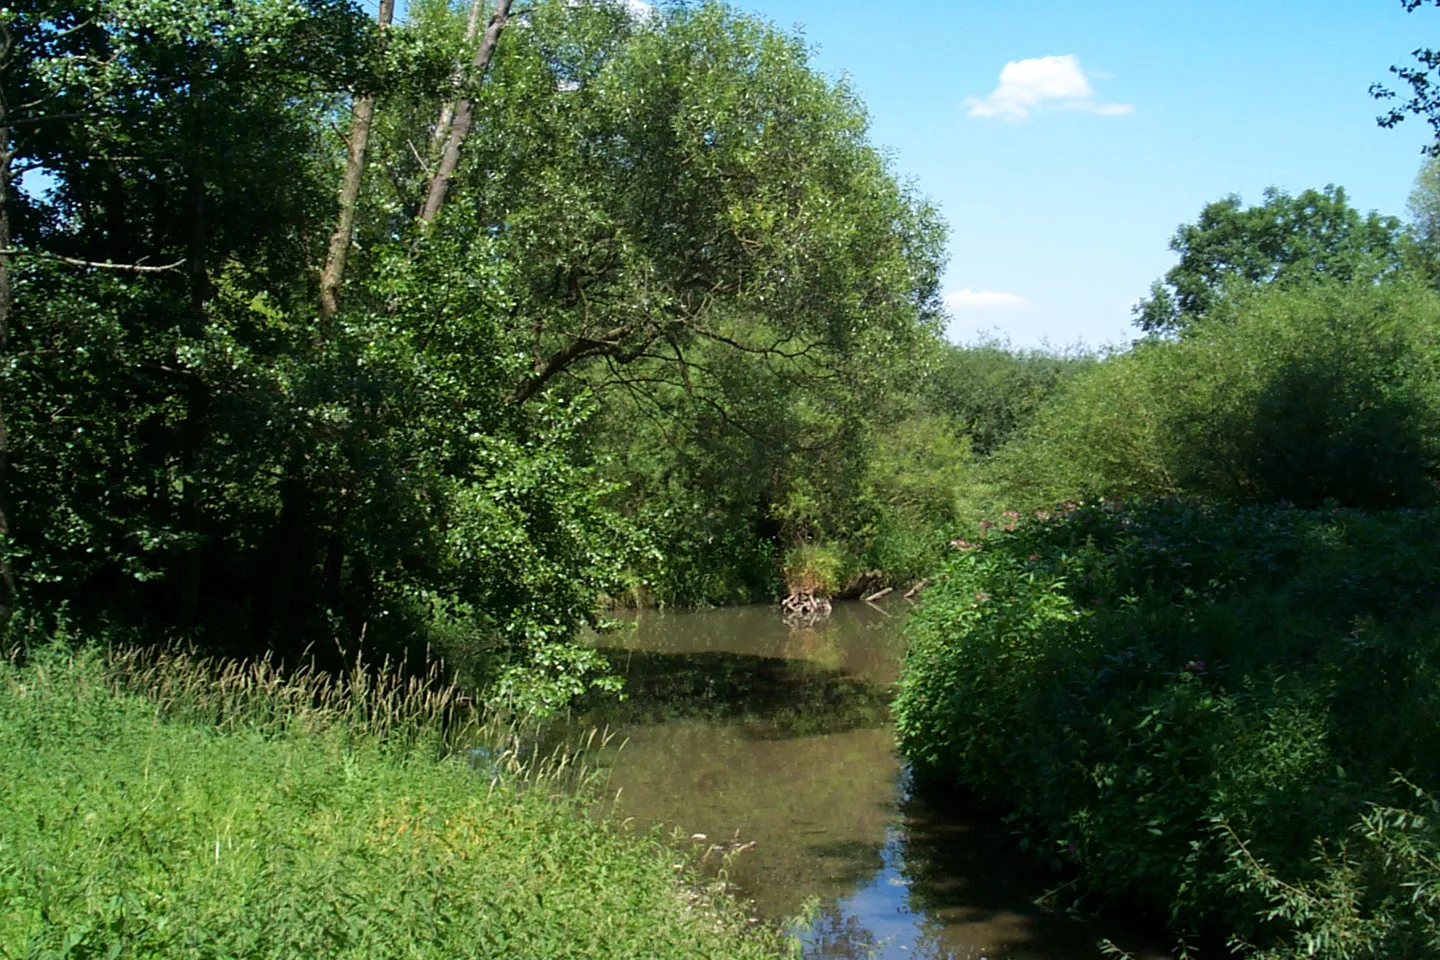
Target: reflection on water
[{"x": 742, "y": 729}]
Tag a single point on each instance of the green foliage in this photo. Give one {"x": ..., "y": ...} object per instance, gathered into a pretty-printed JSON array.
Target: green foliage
[
  {"x": 1424, "y": 99},
  {"x": 919, "y": 484},
  {"x": 1315, "y": 235},
  {"x": 673, "y": 220},
  {"x": 991, "y": 390},
  {"x": 1375, "y": 893},
  {"x": 1126, "y": 678},
  {"x": 1423, "y": 231},
  {"x": 132, "y": 826},
  {"x": 817, "y": 569},
  {"x": 1301, "y": 394}
]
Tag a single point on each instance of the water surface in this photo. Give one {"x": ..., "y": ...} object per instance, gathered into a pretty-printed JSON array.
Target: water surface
[{"x": 740, "y": 729}]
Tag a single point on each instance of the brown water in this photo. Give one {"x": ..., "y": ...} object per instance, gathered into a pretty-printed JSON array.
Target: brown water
[{"x": 740, "y": 728}]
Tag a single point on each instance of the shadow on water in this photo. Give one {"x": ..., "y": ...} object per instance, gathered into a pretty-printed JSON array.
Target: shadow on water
[
  {"x": 739, "y": 729},
  {"x": 766, "y": 696}
]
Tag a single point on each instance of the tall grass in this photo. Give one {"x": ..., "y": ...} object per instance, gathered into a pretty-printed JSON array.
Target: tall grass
[{"x": 157, "y": 805}]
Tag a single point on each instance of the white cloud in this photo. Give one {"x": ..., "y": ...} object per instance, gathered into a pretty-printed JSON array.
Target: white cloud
[
  {"x": 968, "y": 299},
  {"x": 1029, "y": 85}
]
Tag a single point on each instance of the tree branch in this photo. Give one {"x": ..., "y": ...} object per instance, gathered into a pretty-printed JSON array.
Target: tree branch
[
  {"x": 441, "y": 133},
  {"x": 93, "y": 264},
  {"x": 607, "y": 343}
]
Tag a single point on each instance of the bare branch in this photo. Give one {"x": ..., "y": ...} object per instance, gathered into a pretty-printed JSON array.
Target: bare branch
[
  {"x": 92, "y": 264},
  {"x": 46, "y": 118}
]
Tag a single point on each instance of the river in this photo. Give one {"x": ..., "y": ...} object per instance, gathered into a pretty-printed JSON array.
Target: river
[{"x": 739, "y": 728}]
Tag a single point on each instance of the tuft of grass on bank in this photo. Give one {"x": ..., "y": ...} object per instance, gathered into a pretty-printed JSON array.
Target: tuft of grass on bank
[{"x": 157, "y": 806}]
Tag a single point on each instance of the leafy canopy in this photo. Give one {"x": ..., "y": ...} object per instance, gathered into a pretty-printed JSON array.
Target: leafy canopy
[{"x": 1286, "y": 239}]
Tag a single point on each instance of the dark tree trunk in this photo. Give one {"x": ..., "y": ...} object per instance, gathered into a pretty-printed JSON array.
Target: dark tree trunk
[
  {"x": 7, "y": 579},
  {"x": 279, "y": 608},
  {"x": 189, "y": 566}
]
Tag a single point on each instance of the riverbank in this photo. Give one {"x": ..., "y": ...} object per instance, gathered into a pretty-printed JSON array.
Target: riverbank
[{"x": 157, "y": 807}]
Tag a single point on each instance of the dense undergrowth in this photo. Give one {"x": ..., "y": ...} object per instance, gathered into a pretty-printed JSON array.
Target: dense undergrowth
[
  {"x": 157, "y": 806},
  {"x": 1149, "y": 688},
  {"x": 1209, "y": 681}
]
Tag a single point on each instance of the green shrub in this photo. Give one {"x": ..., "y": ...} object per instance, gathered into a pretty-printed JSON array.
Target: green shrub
[
  {"x": 1376, "y": 893},
  {"x": 817, "y": 569},
  {"x": 991, "y": 390},
  {"x": 1299, "y": 393},
  {"x": 1125, "y": 678},
  {"x": 919, "y": 483}
]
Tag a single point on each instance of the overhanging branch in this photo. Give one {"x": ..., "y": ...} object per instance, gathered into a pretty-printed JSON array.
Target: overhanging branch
[{"x": 93, "y": 264}]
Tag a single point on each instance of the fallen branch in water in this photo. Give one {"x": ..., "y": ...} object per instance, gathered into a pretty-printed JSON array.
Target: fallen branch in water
[{"x": 805, "y": 608}]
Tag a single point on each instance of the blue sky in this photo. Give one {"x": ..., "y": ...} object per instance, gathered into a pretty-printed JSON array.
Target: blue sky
[{"x": 1061, "y": 203}]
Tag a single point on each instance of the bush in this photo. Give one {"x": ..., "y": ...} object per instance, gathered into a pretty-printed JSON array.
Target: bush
[
  {"x": 1376, "y": 893},
  {"x": 1127, "y": 679},
  {"x": 816, "y": 569},
  {"x": 1299, "y": 394},
  {"x": 992, "y": 390},
  {"x": 918, "y": 485}
]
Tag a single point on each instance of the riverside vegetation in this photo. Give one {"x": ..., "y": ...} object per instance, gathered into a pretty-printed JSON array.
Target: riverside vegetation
[
  {"x": 512, "y": 310},
  {"x": 160, "y": 805},
  {"x": 1209, "y": 680},
  {"x": 325, "y": 332}
]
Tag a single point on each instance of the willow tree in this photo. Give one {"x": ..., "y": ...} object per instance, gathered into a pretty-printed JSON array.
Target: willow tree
[{"x": 693, "y": 227}]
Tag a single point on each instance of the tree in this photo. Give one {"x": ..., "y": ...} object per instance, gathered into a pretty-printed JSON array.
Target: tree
[
  {"x": 651, "y": 183},
  {"x": 1287, "y": 239},
  {"x": 1424, "y": 98},
  {"x": 1422, "y": 233},
  {"x": 991, "y": 390},
  {"x": 697, "y": 233},
  {"x": 675, "y": 208}
]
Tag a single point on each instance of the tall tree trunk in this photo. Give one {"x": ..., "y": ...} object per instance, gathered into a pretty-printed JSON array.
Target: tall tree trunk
[
  {"x": 464, "y": 117},
  {"x": 195, "y": 428},
  {"x": 361, "y": 119},
  {"x": 457, "y": 77},
  {"x": 7, "y": 579}
]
